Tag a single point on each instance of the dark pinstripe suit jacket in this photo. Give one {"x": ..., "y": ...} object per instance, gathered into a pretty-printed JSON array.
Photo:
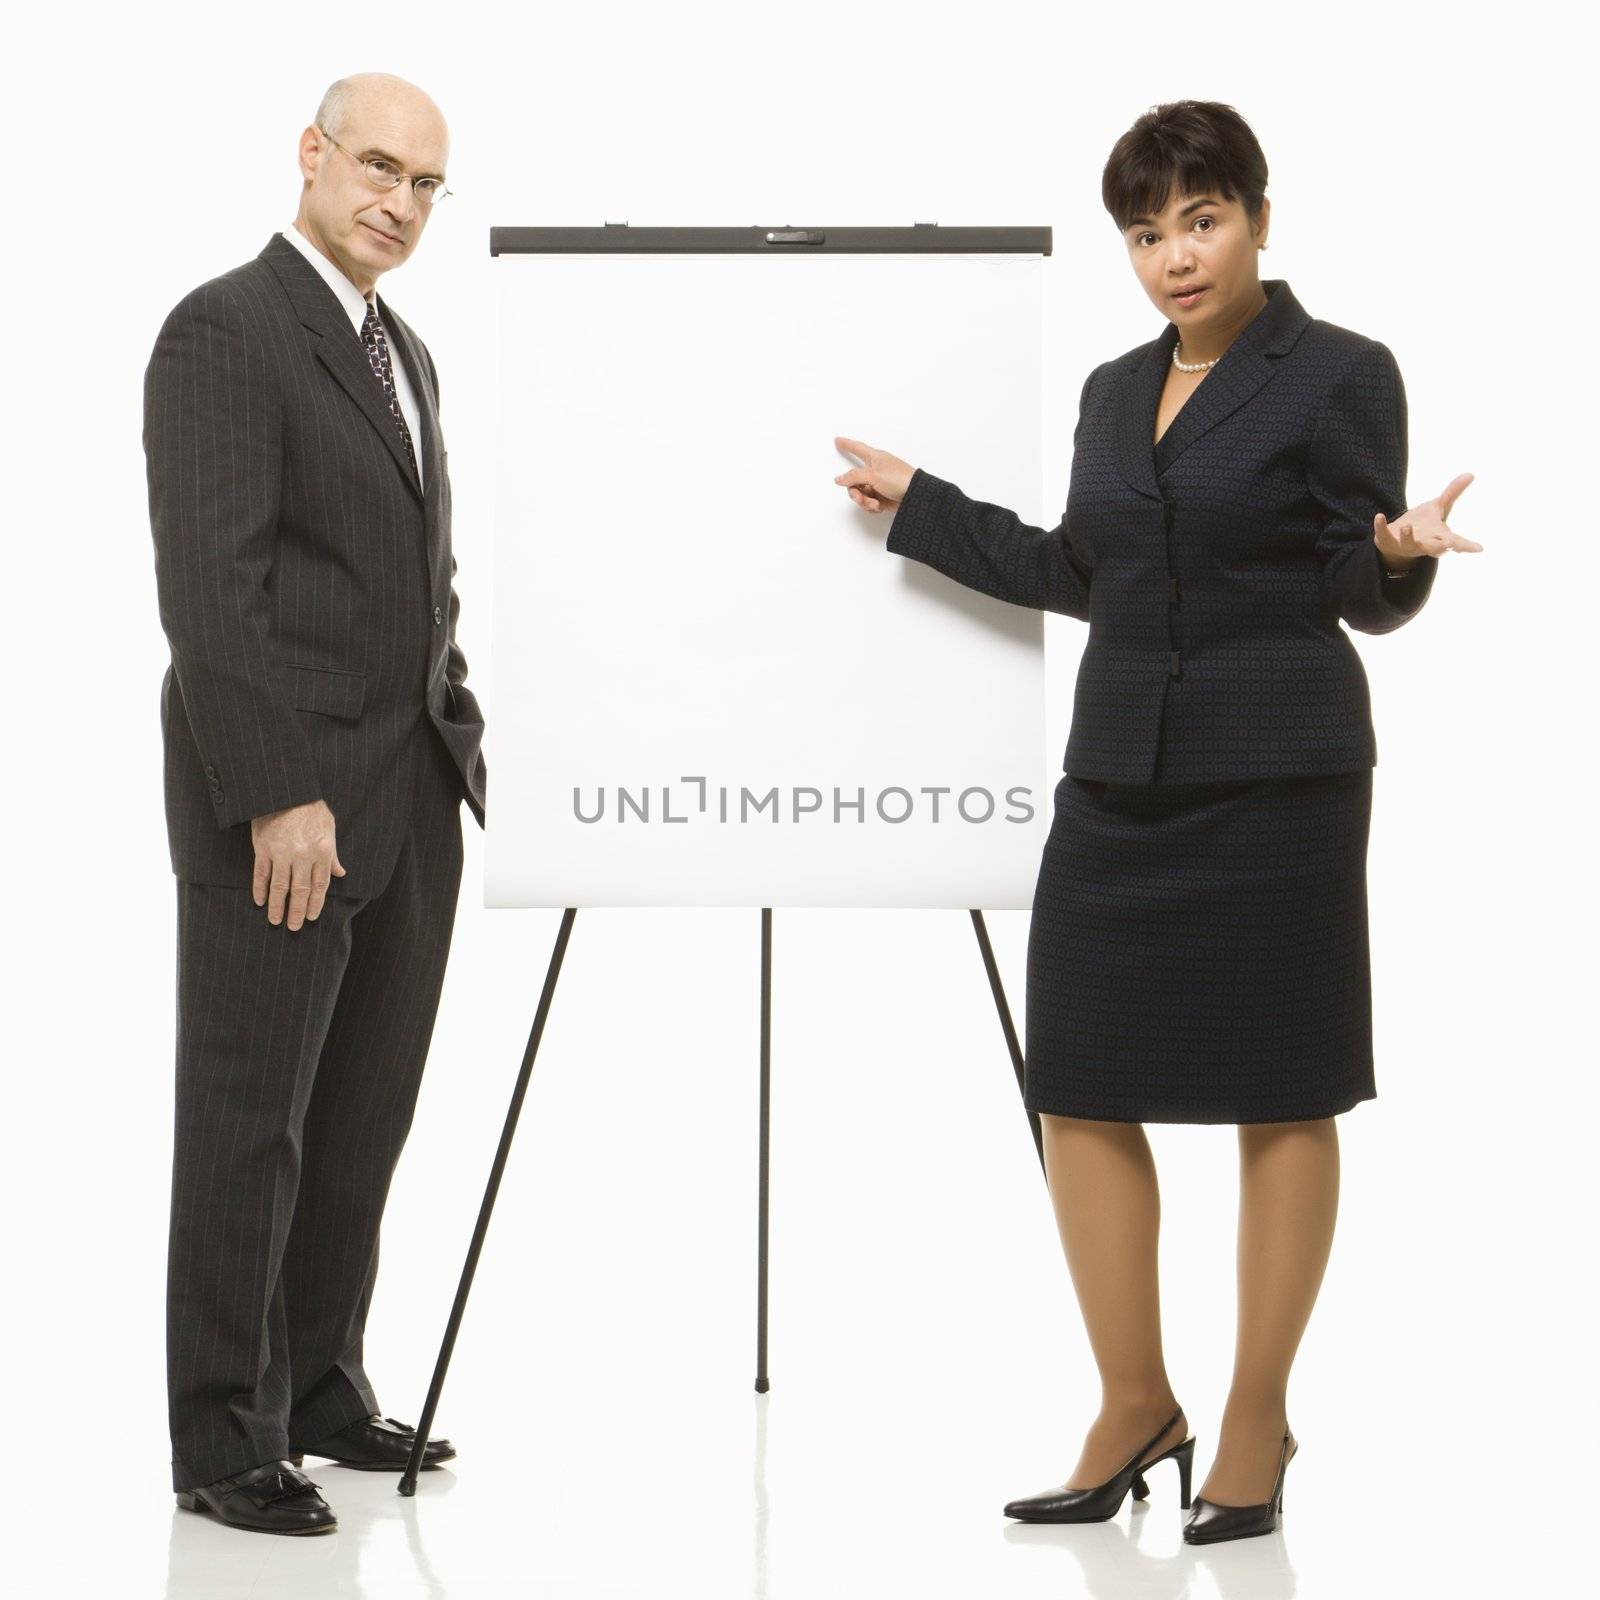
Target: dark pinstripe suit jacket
[
  {"x": 304, "y": 578},
  {"x": 1213, "y": 568}
]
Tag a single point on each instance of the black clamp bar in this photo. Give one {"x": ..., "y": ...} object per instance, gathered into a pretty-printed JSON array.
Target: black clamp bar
[{"x": 621, "y": 238}]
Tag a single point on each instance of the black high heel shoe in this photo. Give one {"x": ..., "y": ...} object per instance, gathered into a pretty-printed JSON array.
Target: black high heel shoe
[
  {"x": 1209, "y": 1522},
  {"x": 1105, "y": 1499}
]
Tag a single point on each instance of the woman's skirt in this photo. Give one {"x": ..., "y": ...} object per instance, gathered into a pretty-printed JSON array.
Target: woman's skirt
[{"x": 1198, "y": 951}]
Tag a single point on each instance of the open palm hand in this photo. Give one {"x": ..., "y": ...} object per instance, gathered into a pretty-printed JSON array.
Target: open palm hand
[{"x": 1423, "y": 530}]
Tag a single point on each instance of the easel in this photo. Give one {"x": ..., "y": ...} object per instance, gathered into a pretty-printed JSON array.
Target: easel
[{"x": 408, "y": 1479}]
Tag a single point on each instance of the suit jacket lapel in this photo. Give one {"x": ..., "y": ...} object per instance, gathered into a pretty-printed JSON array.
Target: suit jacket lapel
[
  {"x": 1135, "y": 415},
  {"x": 337, "y": 346},
  {"x": 431, "y": 445},
  {"x": 1245, "y": 368}
]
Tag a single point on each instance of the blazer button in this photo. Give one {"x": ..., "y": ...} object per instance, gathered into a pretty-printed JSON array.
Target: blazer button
[
  {"x": 211, "y": 772},
  {"x": 438, "y": 616},
  {"x": 216, "y": 797}
]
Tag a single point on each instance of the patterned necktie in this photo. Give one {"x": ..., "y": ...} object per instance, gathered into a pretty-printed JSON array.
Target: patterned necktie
[{"x": 378, "y": 354}]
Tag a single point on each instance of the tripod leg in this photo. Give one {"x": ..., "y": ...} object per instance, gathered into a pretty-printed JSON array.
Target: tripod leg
[
  {"x": 408, "y": 1479},
  {"x": 991, "y": 966},
  {"x": 762, "y": 1384}
]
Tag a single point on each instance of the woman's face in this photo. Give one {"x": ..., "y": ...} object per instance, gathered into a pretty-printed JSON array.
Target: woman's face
[{"x": 1203, "y": 244}]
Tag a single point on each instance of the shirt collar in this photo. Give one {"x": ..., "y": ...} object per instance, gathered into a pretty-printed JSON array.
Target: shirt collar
[{"x": 350, "y": 297}]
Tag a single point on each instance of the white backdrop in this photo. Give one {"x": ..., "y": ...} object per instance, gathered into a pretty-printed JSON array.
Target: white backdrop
[
  {"x": 1429, "y": 176},
  {"x": 718, "y": 689}
]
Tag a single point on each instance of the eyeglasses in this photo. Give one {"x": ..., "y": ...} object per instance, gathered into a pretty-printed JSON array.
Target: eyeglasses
[{"x": 382, "y": 174}]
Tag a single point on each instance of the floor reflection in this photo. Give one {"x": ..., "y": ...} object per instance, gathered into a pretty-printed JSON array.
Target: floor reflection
[
  {"x": 206, "y": 1557},
  {"x": 1113, "y": 1564}
]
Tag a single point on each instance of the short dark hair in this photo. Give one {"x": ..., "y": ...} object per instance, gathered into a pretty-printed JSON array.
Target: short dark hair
[{"x": 1183, "y": 147}]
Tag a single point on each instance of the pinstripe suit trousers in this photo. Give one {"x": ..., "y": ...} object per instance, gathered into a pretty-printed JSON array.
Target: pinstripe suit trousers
[{"x": 299, "y": 1058}]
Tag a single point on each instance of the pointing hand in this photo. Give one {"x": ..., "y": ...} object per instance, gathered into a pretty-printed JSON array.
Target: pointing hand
[{"x": 881, "y": 481}]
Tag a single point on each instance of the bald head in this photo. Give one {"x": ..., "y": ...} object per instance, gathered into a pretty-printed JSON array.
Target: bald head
[
  {"x": 381, "y": 93},
  {"x": 362, "y": 228}
]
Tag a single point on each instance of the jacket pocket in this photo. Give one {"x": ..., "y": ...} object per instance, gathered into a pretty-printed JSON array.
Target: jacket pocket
[{"x": 326, "y": 690}]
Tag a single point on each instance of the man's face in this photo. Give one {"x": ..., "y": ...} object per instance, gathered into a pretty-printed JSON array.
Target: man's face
[{"x": 368, "y": 229}]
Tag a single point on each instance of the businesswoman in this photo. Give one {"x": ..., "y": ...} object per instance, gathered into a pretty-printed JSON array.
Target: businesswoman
[{"x": 1198, "y": 949}]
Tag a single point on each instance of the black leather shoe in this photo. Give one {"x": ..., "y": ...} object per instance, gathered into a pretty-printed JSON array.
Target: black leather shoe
[
  {"x": 272, "y": 1498},
  {"x": 376, "y": 1444},
  {"x": 1105, "y": 1499},
  {"x": 1209, "y": 1522}
]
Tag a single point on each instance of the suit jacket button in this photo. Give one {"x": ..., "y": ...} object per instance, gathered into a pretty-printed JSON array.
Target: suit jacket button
[
  {"x": 211, "y": 772},
  {"x": 438, "y": 616},
  {"x": 216, "y": 797}
]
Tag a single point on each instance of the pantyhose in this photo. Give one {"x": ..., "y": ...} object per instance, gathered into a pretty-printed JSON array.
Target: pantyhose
[{"x": 1108, "y": 1211}]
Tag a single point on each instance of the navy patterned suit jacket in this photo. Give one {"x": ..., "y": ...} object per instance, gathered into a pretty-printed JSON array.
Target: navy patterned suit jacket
[
  {"x": 1215, "y": 566},
  {"x": 304, "y": 576}
]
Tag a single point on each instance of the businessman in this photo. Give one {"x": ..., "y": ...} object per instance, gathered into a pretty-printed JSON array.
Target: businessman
[{"x": 319, "y": 740}]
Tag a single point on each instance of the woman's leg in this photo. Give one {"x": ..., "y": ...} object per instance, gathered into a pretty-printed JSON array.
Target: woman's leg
[
  {"x": 1108, "y": 1211},
  {"x": 1288, "y": 1199}
]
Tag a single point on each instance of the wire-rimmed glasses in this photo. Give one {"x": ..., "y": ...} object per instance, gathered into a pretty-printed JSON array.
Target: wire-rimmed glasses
[{"x": 384, "y": 174}]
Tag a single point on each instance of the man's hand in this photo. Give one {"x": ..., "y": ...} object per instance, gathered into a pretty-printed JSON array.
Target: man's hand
[{"x": 296, "y": 859}]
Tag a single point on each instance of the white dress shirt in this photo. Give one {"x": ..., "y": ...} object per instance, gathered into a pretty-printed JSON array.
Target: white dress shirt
[{"x": 355, "y": 305}]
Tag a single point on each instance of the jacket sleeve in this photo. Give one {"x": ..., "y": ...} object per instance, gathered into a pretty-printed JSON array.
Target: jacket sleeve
[
  {"x": 987, "y": 548},
  {"x": 455, "y": 667},
  {"x": 463, "y": 701},
  {"x": 214, "y": 465},
  {"x": 1355, "y": 468}
]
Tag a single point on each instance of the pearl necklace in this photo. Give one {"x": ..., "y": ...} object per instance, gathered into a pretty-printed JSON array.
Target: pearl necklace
[{"x": 1199, "y": 366}]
